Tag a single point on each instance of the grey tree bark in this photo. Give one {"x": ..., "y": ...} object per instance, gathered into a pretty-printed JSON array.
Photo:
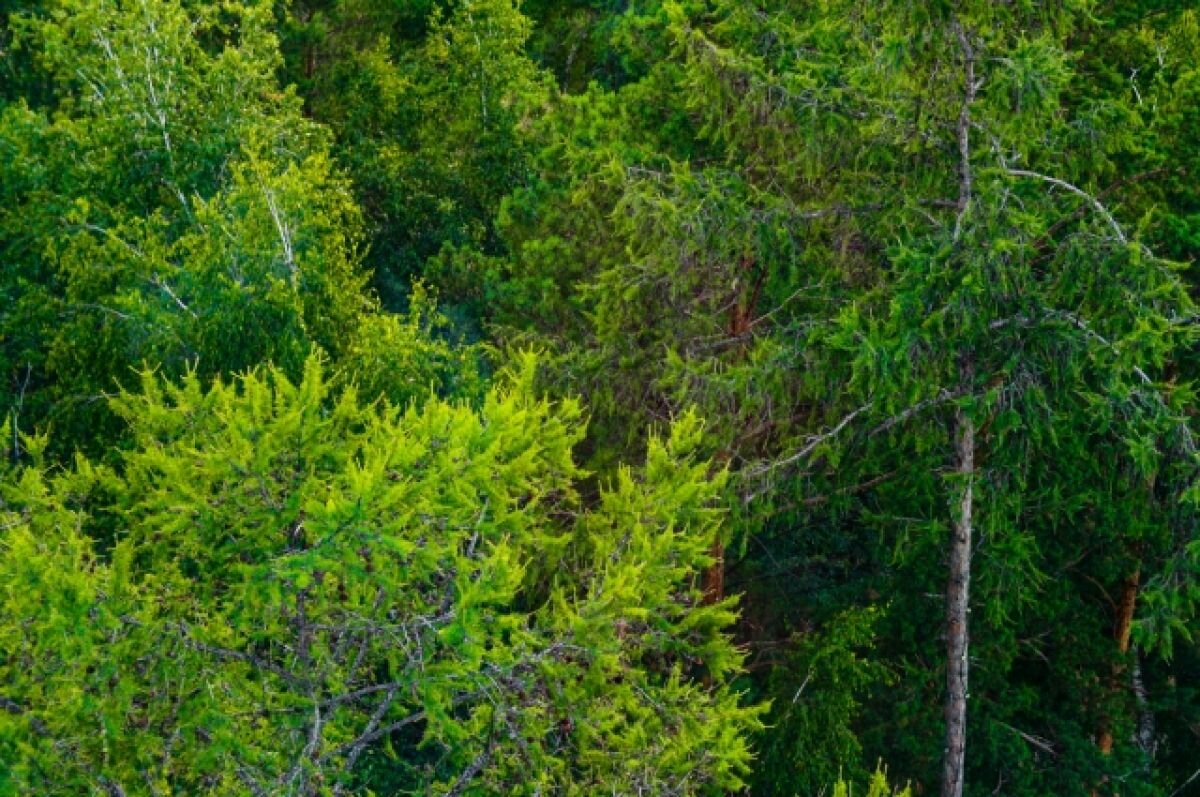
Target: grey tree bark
[
  {"x": 958, "y": 594},
  {"x": 958, "y": 587}
]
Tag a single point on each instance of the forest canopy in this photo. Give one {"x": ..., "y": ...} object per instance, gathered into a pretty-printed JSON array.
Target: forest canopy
[{"x": 472, "y": 397}]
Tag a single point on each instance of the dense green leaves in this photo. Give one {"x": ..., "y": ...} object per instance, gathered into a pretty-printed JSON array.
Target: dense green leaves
[
  {"x": 821, "y": 276},
  {"x": 299, "y": 583},
  {"x": 174, "y": 207}
]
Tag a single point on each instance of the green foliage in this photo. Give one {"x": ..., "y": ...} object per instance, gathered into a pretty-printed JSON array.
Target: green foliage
[
  {"x": 788, "y": 255},
  {"x": 411, "y": 356},
  {"x": 173, "y": 207},
  {"x": 818, "y": 692},
  {"x": 427, "y": 101},
  {"x": 877, "y": 786},
  {"x": 769, "y": 220},
  {"x": 311, "y": 595}
]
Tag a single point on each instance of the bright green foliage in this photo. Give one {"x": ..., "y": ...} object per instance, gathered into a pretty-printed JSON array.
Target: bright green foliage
[
  {"x": 877, "y": 786},
  {"x": 408, "y": 357},
  {"x": 301, "y": 594}
]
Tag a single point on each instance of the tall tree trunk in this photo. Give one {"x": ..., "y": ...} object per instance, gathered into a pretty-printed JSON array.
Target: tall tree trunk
[
  {"x": 958, "y": 592},
  {"x": 713, "y": 582},
  {"x": 741, "y": 320},
  {"x": 1122, "y": 626},
  {"x": 1146, "y": 725},
  {"x": 958, "y": 587}
]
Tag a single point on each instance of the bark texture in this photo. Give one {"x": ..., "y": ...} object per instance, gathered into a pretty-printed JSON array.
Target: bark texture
[
  {"x": 1122, "y": 628},
  {"x": 958, "y": 593}
]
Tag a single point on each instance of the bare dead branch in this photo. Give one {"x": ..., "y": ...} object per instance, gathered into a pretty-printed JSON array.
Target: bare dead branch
[
  {"x": 1042, "y": 744},
  {"x": 811, "y": 445},
  {"x": 1095, "y": 203}
]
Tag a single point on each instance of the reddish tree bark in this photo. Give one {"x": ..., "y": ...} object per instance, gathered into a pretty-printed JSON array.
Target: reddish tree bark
[{"x": 1122, "y": 626}]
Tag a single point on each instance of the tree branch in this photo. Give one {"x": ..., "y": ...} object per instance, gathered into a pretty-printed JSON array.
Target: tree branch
[{"x": 1095, "y": 203}]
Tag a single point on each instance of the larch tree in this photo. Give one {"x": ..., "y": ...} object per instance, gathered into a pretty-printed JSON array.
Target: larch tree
[
  {"x": 864, "y": 243},
  {"x": 282, "y": 590}
]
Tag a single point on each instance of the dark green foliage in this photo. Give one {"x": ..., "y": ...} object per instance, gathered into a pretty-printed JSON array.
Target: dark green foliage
[
  {"x": 427, "y": 102},
  {"x": 862, "y": 265}
]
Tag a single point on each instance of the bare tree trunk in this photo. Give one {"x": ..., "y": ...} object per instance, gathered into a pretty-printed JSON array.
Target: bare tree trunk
[
  {"x": 1122, "y": 626},
  {"x": 1146, "y": 726},
  {"x": 958, "y": 593},
  {"x": 741, "y": 320},
  {"x": 958, "y": 587}
]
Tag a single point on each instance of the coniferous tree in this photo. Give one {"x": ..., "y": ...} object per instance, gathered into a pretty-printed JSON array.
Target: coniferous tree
[
  {"x": 282, "y": 590},
  {"x": 922, "y": 270}
]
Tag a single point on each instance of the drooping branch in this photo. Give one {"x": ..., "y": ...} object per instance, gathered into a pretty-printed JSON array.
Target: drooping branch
[
  {"x": 1095, "y": 203},
  {"x": 943, "y": 396},
  {"x": 1035, "y": 741},
  {"x": 811, "y": 445},
  {"x": 1090, "y": 201}
]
